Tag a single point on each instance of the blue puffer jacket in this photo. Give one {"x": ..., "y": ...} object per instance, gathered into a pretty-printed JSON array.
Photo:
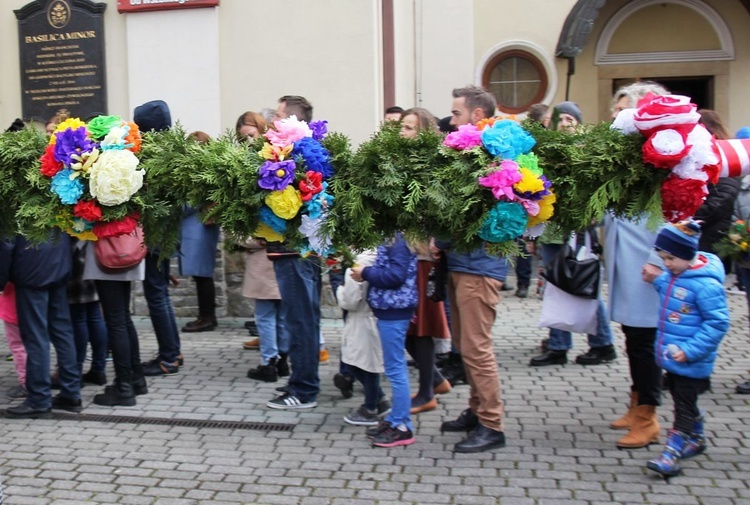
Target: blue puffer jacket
[
  {"x": 693, "y": 315},
  {"x": 393, "y": 282}
]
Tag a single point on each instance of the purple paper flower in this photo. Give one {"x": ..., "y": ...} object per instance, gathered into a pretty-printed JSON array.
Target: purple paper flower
[
  {"x": 319, "y": 129},
  {"x": 276, "y": 176},
  {"x": 70, "y": 142}
]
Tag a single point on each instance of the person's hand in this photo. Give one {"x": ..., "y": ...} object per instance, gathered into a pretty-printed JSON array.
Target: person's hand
[
  {"x": 679, "y": 356},
  {"x": 174, "y": 280},
  {"x": 356, "y": 273},
  {"x": 650, "y": 272}
]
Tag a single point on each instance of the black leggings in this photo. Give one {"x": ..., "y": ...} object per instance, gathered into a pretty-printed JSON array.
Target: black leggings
[
  {"x": 422, "y": 350},
  {"x": 685, "y": 391},
  {"x": 644, "y": 372},
  {"x": 206, "y": 296}
]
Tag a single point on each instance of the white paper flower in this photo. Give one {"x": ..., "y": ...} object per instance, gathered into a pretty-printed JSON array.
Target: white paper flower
[
  {"x": 310, "y": 228},
  {"x": 668, "y": 142},
  {"x": 115, "y": 138},
  {"x": 624, "y": 122},
  {"x": 114, "y": 178},
  {"x": 702, "y": 142}
]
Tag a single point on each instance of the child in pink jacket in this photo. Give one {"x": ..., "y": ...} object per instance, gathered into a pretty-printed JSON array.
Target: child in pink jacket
[{"x": 12, "y": 333}]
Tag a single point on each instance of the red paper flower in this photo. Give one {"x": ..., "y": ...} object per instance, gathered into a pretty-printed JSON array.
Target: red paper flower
[
  {"x": 311, "y": 185},
  {"x": 665, "y": 148},
  {"x": 680, "y": 198},
  {"x": 116, "y": 228},
  {"x": 663, "y": 112},
  {"x": 88, "y": 210},
  {"x": 50, "y": 166}
]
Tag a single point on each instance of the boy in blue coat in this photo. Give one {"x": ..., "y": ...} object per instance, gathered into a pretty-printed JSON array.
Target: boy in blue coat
[{"x": 693, "y": 318}]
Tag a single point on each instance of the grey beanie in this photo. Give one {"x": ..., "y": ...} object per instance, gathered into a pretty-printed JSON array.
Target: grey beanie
[{"x": 570, "y": 108}]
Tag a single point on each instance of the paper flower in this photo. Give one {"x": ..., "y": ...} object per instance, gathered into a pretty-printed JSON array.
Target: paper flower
[
  {"x": 84, "y": 161},
  {"x": 529, "y": 161},
  {"x": 310, "y": 228},
  {"x": 114, "y": 177},
  {"x": 115, "y": 138},
  {"x": 681, "y": 197},
  {"x": 285, "y": 203},
  {"x": 665, "y": 148},
  {"x": 68, "y": 189},
  {"x": 288, "y": 131},
  {"x": 501, "y": 181},
  {"x": 133, "y": 139},
  {"x": 319, "y": 203},
  {"x": 319, "y": 129},
  {"x": 310, "y": 185},
  {"x": 624, "y": 122},
  {"x": 100, "y": 125},
  {"x": 266, "y": 232},
  {"x": 271, "y": 220},
  {"x": 73, "y": 123},
  {"x": 316, "y": 156},
  {"x": 275, "y": 153},
  {"x": 545, "y": 212},
  {"x": 50, "y": 166},
  {"x": 116, "y": 228},
  {"x": 506, "y": 139},
  {"x": 71, "y": 142},
  {"x": 505, "y": 221},
  {"x": 88, "y": 210},
  {"x": 532, "y": 186},
  {"x": 276, "y": 176},
  {"x": 466, "y": 137},
  {"x": 663, "y": 112}
]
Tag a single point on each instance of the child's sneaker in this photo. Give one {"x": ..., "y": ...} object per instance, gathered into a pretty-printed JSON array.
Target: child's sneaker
[
  {"x": 384, "y": 407},
  {"x": 377, "y": 430},
  {"x": 290, "y": 402},
  {"x": 394, "y": 437},
  {"x": 362, "y": 417}
]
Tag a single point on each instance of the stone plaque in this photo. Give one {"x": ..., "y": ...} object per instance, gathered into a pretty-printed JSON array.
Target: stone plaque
[{"x": 61, "y": 44}]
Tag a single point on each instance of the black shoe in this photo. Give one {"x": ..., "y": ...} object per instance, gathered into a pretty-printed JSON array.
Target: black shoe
[
  {"x": 345, "y": 384},
  {"x": 157, "y": 367},
  {"x": 442, "y": 359},
  {"x": 200, "y": 324},
  {"x": 597, "y": 355},
  {"x": 467, "y": 421},
  {"x": 114, "y": 397},
  {"x": 550, "y": 358},
  {"x": 282, "y": 365},
  {"x": 283, "y": 389},
  {"x": 60, "y": 402},
  {"x": 743, "y": 389},
  {"x": 507, "y": 287},
  {"x": 481, "y": 439},
  {"x": 180, "y": 360},
  {"x": 522, "y": 291},
  {"x": 54, "y": 381},
  {"x": 92, "y": 377},
  {"x": 265, "y": 373},
  {"x": 543, "y": 345},
  {"x": 251, "y": 328},
  {"x": 25, "y": 411},
  {"x": 377, "y": 430}
]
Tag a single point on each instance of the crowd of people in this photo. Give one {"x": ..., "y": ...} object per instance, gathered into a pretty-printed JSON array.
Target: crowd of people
[{"x": 390, "y": 306}]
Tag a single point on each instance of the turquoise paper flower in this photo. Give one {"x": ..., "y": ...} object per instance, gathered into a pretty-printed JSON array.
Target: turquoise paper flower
[
  {"x": 506, "y": 221},
  {"x": 507, "y": 139},
  {"x": 69, "y": 191}
]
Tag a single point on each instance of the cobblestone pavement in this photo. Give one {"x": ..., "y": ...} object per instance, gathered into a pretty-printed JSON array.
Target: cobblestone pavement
[{"x": 560, "y": 449}]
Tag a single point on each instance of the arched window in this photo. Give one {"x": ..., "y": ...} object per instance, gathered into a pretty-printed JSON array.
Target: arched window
[{"x": 517, "y": 79}]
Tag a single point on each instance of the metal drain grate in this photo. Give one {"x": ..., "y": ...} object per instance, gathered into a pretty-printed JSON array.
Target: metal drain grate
[{"x": 164, "y": 421}]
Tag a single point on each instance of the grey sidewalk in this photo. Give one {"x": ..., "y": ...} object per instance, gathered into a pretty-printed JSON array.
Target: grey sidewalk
[{"x": 560, "y": 449}]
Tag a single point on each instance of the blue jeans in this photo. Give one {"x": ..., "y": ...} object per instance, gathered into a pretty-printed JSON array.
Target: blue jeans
[
  {"x": 88, "y": 326},
  {"x": 160, "y": 310},
  {"x": 560, "y": 340},
  {"x": 393, "y": 342},
  {"x": 273, "y": 337},
  {"x": 299, "y": 285},
  {"x": 44, "y": 318},
  {"x": 371, "y": 384}
]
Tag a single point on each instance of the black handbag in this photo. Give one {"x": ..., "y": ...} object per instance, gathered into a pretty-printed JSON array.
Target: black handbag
[{"x": 574, "y": 276}]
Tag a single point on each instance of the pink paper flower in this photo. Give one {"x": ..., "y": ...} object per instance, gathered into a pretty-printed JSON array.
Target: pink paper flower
[
  {"x": 466, "y": 137},
  {"x": 501, "y": 181},
  {"x": 288, "y": 131}
]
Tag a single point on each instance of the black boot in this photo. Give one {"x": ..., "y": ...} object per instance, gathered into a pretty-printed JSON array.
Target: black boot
[
  {"x": 140, "y": 386},
  {"x": 481, "y": 439},
  {"x": 467, "y": 421},
  {"x": 265, "y": 373},
  {"x": 118, "y": 394},
  {"x": 454, "y": 371},
  {"x": 282, "y": 365},
  {"x": 550, "y": 357},
  {"x": 597, "y": 355}
]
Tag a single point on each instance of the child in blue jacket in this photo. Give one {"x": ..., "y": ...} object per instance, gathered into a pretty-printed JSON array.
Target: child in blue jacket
[
  {"x": 693, "y": 318},
  {"x": 393, "y": 299}
]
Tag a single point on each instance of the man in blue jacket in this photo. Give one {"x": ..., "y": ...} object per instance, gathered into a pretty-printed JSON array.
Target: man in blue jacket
[{"x": 40, "y": 274}]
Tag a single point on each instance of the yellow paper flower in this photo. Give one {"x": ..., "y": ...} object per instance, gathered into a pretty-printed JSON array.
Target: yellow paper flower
[
  {"x": 530, "y": 182},
  {"x": 275, "y": 153},
  {"x": 268, "y": 233},
  {"x": 73, "y": 123},
  {"x": 84, "y": 235},
  {"x": 546, "y": 210},
  {"x": 285, "y": 203},
  {"x": 83, "y": 162}
]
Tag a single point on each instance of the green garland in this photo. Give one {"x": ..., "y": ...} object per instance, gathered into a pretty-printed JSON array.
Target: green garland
[{"x": 389, "y": 184}]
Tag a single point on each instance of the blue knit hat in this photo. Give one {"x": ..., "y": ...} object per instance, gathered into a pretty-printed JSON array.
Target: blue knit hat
[
  {"x": 679, "y": 240},
  {"x": 743, "y": 133}
]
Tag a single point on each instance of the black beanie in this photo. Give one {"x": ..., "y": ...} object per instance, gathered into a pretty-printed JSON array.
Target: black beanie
[{"x": 153, "y": 115}]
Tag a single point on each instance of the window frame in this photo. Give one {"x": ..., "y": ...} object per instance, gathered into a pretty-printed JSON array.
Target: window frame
[{"x": 506, "y": 54}]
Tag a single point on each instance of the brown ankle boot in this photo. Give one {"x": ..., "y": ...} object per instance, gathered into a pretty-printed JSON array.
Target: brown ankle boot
[
  {"x": 644, "y": 431},
  {"x": 626, "y": 421}
]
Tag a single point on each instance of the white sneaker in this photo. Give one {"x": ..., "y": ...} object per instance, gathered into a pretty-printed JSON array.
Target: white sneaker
[{"x": 288, "y": 401}]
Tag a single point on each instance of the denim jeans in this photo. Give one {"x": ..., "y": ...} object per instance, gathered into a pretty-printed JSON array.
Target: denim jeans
[
  {"x": 156, "y": 291},
  {"x": 371, "y": 384},
  {"x": 89, "y": 327},
  {"x": 273, "y": 337},
  {"x": 299, "y": 285},
  {"x": 44, "y": 318},
  {"x": 560, "y": 340},
  {"x": 393, "y": 342},
  {"x": 123, "y": 338}
]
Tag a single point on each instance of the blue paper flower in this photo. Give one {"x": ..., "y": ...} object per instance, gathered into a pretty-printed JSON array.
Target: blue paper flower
[
  {"x": 273, "y": 221},
  {"x": 506, "y": 221},
  {"x": 319, "y": 129},
  {"x": 315, "y": 155},
  {"x": 507, "y": 139},
  {"x": 319, "y": 203},
  {"x": 69, "y": 191},
  {"x": 71, "y": 142}
]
